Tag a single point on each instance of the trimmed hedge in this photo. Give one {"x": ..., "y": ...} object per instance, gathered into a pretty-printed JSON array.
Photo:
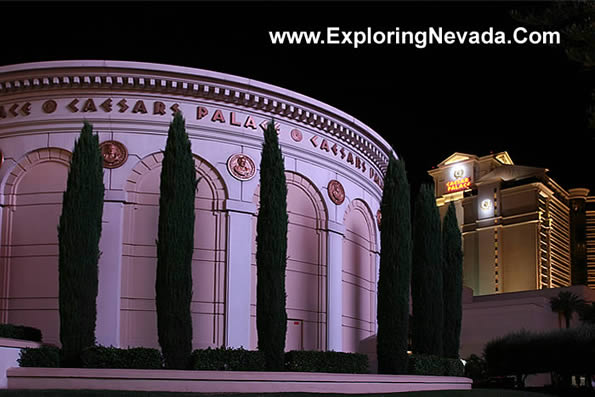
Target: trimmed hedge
[
  {"x": 20, "y": 332},
  {"x": 94, "y": 357},
  {"x": 113, "y": 357},
  {"x": 45, "y": 356},
  {"x": 223, "y": 359},
  {"x": 326, "y": 361},
  {"x": 422, "y": 364}
]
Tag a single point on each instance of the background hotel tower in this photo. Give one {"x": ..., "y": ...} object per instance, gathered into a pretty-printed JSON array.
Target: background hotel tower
[{"x": 521, "y": 230}]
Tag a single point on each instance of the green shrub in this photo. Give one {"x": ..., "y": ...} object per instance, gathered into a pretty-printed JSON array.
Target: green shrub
[
  {"x": 476, "y": 369},
  {"x": 44, "y": 356},
  {"x": 223, "y": 359},
  {"x": 424, "y": 364},
  {"x": 421, "y": 364},
  {"x": 565, "y": 351},
  {"x": 326, "y": 361},
  {"x": 453, "y": 367},
  {"x": 113, "y": 357},
  {"x": 20, "y": 332}
]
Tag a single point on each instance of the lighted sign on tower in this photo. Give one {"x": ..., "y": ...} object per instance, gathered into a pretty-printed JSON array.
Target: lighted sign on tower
[{"x": 459, "y": 181}]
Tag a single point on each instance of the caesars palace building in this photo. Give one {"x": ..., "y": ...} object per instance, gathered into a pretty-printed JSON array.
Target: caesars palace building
[
  {"x": 334, "y": 167},
  {"x": 521, "y": 230}
]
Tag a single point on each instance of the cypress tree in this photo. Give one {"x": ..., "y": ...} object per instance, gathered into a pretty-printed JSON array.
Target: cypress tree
[
  {"x": 79, "y": 232},
  {"x": 175, "y": 245},
  {"x": 395, "y": 271},
  {"x": 452, "y": 282},
  {"x": 426, "y": 279},
  {"x": 271, "y": 251}
]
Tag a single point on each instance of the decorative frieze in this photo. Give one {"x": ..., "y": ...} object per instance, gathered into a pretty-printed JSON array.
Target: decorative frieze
[{"x": 189, "y": 87}]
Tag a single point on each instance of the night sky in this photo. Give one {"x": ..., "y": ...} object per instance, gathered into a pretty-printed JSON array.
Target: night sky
[{"x": 428, "y": 103}]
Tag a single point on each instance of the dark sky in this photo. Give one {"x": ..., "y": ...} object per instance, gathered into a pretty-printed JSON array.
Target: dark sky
[{"x": 428, "y": 103}]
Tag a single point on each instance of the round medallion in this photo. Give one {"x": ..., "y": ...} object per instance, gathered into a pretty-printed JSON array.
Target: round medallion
[
  {"x": 459, "y": 172},
  {"x": 486, "y": 204},
  {"x": 49, "y": 106},
  {"x": 296, "y": 135},
  {"x": 336, "y": 192},
  {"x": 241, "y": 167},
  {"x": 114, "y": 154},
  {"x": 378, "y": 218}
]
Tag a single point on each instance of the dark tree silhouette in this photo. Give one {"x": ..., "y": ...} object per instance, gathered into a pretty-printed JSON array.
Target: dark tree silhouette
[
  {"x": 271, "y": 253},
  {"x": 566, "y": 304},
  {"x": 395, "y": 271},
  {"x": 79, "y": 232},
  {"x": 175, "y": 245}
]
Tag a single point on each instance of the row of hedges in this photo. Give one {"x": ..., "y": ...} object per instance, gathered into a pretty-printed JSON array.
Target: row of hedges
[
  {"x": 565, "y": 351},
  {"x": 20, "y": 332},
  {"x": 220, "y": 359}
]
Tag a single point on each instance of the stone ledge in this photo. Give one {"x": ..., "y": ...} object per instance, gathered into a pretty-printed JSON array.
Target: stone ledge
[
  {"x": 224, "y": 381},
  {"x": 18, "y": 343}
]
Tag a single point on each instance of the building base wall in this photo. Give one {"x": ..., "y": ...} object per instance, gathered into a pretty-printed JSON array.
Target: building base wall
[{"x": 225, "y": 381}]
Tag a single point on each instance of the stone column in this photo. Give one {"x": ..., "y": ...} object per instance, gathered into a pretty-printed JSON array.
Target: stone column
[
  {"x": 377, "y": 264},
  {"x": 239, "y": 258},
  {"x": 107, "y": 331},
  {"x": 334, "y": 324}
]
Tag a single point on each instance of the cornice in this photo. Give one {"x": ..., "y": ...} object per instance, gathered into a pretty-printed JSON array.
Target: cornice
[{"x": 196, "y": 83}]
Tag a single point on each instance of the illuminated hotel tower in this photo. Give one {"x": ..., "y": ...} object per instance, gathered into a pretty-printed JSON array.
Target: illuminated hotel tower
[{"x": 516, "y": 223}]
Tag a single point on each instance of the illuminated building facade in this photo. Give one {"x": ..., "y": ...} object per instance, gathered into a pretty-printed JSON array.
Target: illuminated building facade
[
  {"x": 334, "y": 169},
  {"x": 521, "y": 230}
]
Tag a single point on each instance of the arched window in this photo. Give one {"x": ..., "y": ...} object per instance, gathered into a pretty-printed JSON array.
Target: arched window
[
  {"x": 33, "y": 193},
  {"x": 359, "y": 276}
]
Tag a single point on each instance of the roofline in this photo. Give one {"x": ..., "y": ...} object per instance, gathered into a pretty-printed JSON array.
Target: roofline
[{"x": 202, "y": 74}]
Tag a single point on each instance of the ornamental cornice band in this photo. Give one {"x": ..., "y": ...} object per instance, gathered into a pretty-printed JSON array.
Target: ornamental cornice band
[{"x": 60, "y": 77}]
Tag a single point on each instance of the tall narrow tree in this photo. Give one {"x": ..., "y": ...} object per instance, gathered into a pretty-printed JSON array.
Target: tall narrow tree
[
  {"x": 175, "y": 245},
  {"x": 395, "y": 271},
  {"x": 452, "y": 282},
  {"x": 271, "y": 251},
  {"x": 426, "y": 279},
  {"x": 79, "y": 232}
]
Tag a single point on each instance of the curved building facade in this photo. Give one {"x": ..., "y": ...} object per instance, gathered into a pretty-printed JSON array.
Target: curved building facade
[{"x": 334, "y": 166}]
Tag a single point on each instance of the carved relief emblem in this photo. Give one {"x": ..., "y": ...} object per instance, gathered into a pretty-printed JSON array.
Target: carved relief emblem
[
  {"x": 296, "y": 135},
  {"x": 336, "y": 192},
  {"x": 114, "y": 154},
  {"x": 459, "y": 172},
  {"x": 241, "y": 167}
]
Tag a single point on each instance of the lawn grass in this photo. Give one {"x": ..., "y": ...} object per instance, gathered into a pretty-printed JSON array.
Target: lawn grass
[{"x": 120, "y": 393}]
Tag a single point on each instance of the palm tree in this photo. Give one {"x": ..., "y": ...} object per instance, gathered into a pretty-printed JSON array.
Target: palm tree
[{"x": 565, "y": 304}]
